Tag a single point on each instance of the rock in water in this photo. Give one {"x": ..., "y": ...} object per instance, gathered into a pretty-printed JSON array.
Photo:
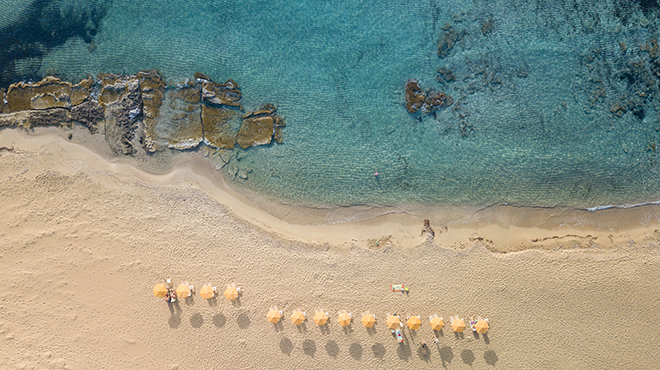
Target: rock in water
[
  {"x": 228, "y": 94},
  {"x": 90, "y": 114},
  {"x": 414, "y": 96},
  {"x": 153, "y": 94},
  {"x": 219, "y": 130},
  {"x": 48, "y": 93},
  {"x": 424, "y": 101},
  {"x": 81, "y": 91},
  {"x": 179, "y": 125},
  {"x": 447, "y": 41},
  {"x": 259, "y": 127},
  {"x": 120, "y": 95}
]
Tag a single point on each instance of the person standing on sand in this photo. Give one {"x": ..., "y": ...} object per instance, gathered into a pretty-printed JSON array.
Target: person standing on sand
[{"x": 430, "y": 234}]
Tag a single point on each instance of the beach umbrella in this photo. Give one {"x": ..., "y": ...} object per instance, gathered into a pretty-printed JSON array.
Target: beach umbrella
[
  {"x": 482, "y": 326},
  {"x": 320, "y": 318},
  {"x": 160, "y": 290},
  {"x": 437, "y": 323},
  {"x": 183, "y": 291},
  {"x": 231, "y": 293},
  {"x": 344, "y": 319},
  {"x": 458, "y": 325},
  {"x": 274, "y": 316},
  {"x": 393, "y": 322},
  {"x": 368, "y": 320},
  {"x": 297, "y": 317},
  {"x": 206, "y": 292},
  {"x": 414, "y": 322}
]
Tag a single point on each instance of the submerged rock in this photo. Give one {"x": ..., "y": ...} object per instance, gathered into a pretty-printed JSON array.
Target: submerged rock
[
  {"x": 447, "y": 41},
  {"x": 259, "y": 127},
  {"x": 424, "y": 101},
  {"x": 122, "y": 104},
  {"x": 219, "y": 132},
  {"x": 48, "y": 93},
  {"x": 228, "y": 94},
  {"x": 32, "y": 118}
]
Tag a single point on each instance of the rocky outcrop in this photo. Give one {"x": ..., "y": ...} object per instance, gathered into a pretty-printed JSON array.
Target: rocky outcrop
[
  {"x": 141, "y": 111},
  {"x": 180, "y": 125},
  {"x": 90, "y": 113},
  {"x": 447, "y": 40},
  {"x": 153, "y": 94},
  {"x": 425, "y": 101},
  {"x": 219, "y": 128},
  {"x": 258, "y": 127},
  {"x": 122, "y": 105},
  {"x": 33, "y": 118},
  {"x": 228, "y": 94},
  {"x": 48, "y": 93}
]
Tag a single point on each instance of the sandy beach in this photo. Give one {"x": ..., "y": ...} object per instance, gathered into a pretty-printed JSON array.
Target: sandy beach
[{"x": 86, "y": 238}]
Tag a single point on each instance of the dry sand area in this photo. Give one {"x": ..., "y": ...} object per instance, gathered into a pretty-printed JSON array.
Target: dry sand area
[{"x": 85, "y": 239}]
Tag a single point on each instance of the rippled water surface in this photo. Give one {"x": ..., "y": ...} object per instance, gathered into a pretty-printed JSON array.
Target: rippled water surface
[{"x": 535, "y": 85}]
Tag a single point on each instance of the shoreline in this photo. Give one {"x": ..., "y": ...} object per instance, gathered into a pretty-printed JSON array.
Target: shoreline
[{"x": 500, "y": 228}]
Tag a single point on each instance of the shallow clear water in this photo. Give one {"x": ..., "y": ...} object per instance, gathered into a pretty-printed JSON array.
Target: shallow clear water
[{"x": 529, "y": 125}]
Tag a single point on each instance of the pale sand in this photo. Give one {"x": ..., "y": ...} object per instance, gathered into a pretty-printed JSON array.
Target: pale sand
[{"x": 85, "y": 240}]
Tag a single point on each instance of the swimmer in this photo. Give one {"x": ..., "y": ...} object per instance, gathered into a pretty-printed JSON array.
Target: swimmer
[{"x": 376, "y": 174}]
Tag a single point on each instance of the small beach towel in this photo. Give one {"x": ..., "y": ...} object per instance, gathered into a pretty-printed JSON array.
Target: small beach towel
[{"x": 397, "y": 287}]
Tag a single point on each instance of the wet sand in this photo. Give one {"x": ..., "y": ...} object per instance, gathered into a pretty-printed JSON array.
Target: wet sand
[{"x": 85, "y": 239}]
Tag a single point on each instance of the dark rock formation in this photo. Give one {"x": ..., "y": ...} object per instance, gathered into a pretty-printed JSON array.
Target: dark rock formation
[
  {"x": 50, "y": 92},
  {"x": 447, "y": 40},
  {"x": 201, "y": 76},
  {"x": 487, "y": 27},
  {"x": 90, "y": 114},
  {"x": 219, "y": 132},
  {"x": 228, "y": 94},
  {"x": 259, "y": 127},
  {"x": 33, "y": 118},
  {"x": 122, "y": 104},
  {"x": 445, "y": 75},
  {"x": 424, "y": 101}
]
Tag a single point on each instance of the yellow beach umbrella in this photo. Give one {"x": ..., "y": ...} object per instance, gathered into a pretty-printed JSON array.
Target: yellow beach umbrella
[
  {"x": 458, "y": 325},
  {"x": 414, "y": 322},
  {"x": 393, "y": 322},
  {"x": 482, "y": 326},
  {"x": 320, "y": 318},
  {"x": 183, "y": 291},
  {"x": 344, "y": 319},
  {"x": 274, "y": 316},
  {"x": 160, "y": 290},
  {"x": 437, "y": 323},
  {"x": 206, "y": 292},
  {"x": 368, "y": 320},
  {"x": 231, "y": 293},
  {"x": 297, "y": 317}
]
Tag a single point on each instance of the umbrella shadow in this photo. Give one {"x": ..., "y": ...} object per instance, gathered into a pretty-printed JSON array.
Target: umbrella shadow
[
  {"x": 309, "y": 347},
  {"x": 174, "y": 321},
  {"x": 490, "y": 357},
  {"x": 355, "y": 350},
  {"x": 379, "y": 350},
  {"x": 219, "y": 320},
  {"x": 196, "y": 320},
  {"x": 446, "y": 355},
  {"x": 332, "y": 348},
  {"x": 424, "y": 353},
  {"x": 286, "y": 346},
  {"x": 486, "y": 340},
  {"x": 278, "y": 326},
  {"x": 468, "y": 357},
  {"x": 243, "y": 320}
]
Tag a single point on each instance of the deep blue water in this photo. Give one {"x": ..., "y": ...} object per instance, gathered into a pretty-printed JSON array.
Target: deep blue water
[{"x": 531, "y": 123}]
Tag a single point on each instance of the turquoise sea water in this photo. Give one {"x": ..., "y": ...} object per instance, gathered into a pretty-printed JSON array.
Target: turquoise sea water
[{"x": 531, "y": 123}]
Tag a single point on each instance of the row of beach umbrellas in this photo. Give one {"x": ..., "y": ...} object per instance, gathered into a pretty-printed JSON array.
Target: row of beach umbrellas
[
  {"x": 207, "y": 291},
  {"x": 393, "y": 322}
]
